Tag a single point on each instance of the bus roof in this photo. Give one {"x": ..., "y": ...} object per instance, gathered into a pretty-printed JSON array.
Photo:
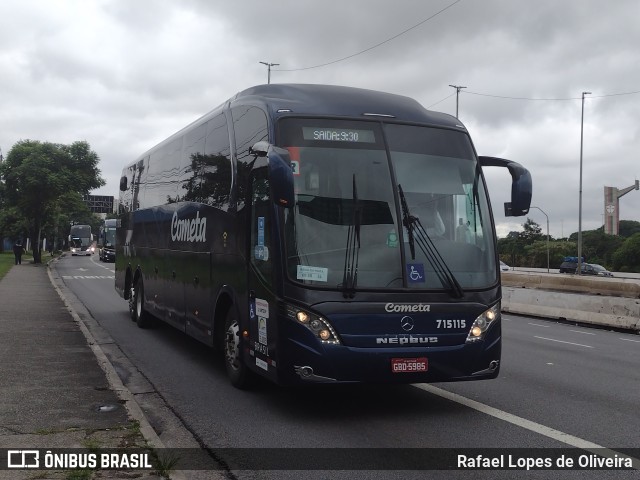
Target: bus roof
[
  {"x": 281, "y": 99},
  {"x": 309, "y": 99}
]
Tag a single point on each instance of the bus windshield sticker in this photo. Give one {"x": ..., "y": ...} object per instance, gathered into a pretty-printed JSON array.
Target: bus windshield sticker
[
  {"x": 415, "y": 272},
  {"x": 294, "y": 157},
  {"x": 317, "y": 274},
  {"x": 392, "y": 239},
  {"x": 261, "y": 252},
  {"x": 261, "y": 231}
]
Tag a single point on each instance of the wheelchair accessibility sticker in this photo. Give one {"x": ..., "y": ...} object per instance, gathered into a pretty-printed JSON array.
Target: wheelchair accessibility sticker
[{"x": 415, "y": 272}]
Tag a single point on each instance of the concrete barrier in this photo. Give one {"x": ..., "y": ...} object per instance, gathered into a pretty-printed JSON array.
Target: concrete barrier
[{"x": 607, "y": 302}]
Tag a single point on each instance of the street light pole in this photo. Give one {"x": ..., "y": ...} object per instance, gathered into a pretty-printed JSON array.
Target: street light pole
[
  {"x": 579, "y": 270},
  {"x": 538, "y": 208},
  {"x": 269, "y": 65},
  {"x": 458, "y": 88}
]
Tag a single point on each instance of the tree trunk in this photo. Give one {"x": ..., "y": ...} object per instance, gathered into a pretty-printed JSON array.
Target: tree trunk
[{"x": 36, "y": 246}]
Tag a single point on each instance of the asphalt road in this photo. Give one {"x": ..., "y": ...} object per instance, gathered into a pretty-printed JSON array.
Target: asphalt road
[{"x": 561, "y": 386}]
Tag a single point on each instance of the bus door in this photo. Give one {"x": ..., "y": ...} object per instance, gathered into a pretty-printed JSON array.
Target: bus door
[{"x": 262, "y": 316}]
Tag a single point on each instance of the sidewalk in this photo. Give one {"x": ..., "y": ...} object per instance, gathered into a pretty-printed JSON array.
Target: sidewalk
[{"x": 53, "y": 392}]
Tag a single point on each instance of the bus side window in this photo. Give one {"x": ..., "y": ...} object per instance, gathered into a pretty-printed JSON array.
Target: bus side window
[
  {"x": 250, "y": 126},
  {"x": 261, "y": 254},
  {"x": 219, "y": 175}
]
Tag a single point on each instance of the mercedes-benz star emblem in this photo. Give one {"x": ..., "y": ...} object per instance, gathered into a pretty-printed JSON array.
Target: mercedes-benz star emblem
[{"x": 407, "y": 324}]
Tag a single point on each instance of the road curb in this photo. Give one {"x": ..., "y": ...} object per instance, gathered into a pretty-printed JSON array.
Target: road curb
[{"x": 130, "y": 403}]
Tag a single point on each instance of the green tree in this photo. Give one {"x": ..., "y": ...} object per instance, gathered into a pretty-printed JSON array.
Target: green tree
[
  {"x": 628, "y": 228},
  {"x": 627, "y": 257},
  {"x": 69, "y": 208},
  {"x": 600, "y": 247},
  {"x": 37, "y": 177},
  {"x": 532, "y": 232},
  {"x": 511, "y": 249}
]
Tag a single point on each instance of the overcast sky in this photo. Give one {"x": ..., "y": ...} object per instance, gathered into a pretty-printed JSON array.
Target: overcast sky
[{"x": 125, "y": 74}]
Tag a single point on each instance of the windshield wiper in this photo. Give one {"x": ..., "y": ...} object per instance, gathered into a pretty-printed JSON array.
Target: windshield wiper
[
  {"x": 350, "y": 276},
  {"x": 417, "y": 232},
  {"x": 408, "y": 221}
]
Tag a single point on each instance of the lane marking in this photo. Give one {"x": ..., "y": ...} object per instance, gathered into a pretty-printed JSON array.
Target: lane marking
[
  {"x": 87, "y": 277},
  {"x": 549, "y": 432},
  {"x": 97, "y": 264},
  {"x": 561, "y": 341},
  {"x": 539, "y": 325},
  {"x": 583, "y": 333},
  {"x": 629, "y": 340}
]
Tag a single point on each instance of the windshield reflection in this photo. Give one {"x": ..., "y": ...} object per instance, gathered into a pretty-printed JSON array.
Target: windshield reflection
[{"x": 444, "y": 192}]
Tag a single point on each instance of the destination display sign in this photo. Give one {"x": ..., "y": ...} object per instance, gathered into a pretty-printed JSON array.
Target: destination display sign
[{"x": 338, "y": 135}]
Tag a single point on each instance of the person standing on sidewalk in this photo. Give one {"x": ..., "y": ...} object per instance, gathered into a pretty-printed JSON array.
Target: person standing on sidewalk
[{"x": 18, "y": 250}]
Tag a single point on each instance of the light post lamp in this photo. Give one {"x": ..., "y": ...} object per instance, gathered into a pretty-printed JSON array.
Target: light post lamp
[
  {"x": 538, "y": 208},
  {"x": 580, "y": 192},
  {"x": 269, "y": 65}
]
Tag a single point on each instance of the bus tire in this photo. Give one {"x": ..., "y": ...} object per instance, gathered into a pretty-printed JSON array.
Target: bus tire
[
  {"x": 239, "y": 374},
  {"x": 132, "y": 303},
  {"x": 140, "y": 315}
]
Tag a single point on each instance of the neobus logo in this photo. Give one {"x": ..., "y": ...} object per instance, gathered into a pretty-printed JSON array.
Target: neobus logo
[
  {"x": 406, "y": 308},
  {"x": 188, "y": 229},
  {"x": 406, "y": 340}
]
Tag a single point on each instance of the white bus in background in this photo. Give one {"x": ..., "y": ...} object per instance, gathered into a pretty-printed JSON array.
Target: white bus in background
[{"x": 81, "y": 240}]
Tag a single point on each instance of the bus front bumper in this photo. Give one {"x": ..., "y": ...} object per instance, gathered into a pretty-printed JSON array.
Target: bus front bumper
[{"x": 343, "y": 364}]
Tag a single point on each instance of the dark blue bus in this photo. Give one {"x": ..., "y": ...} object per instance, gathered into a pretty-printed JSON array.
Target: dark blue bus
[
  {"x": 320, "y": 234},
  {"x": 107, "y": 241}
]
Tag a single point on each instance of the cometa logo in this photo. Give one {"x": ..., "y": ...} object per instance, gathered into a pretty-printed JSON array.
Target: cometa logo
[
  {"x": 188, "y": 229},
  {"x": 407, "y": 308}
]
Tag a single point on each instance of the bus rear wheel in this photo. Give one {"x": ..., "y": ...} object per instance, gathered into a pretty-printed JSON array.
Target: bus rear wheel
[
  {"x": 139, "y": 314},
  {"x": 132, "y": 303},
  {"x": 239, "y": 375}
]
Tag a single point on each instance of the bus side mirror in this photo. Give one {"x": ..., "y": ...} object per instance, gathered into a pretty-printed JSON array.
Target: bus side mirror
[
  {"x": 521, "y": 185},
  {"x": 123, "y": 184},
  {"x": 260, "y": 149},
  {"x": 281, "y": 177}
]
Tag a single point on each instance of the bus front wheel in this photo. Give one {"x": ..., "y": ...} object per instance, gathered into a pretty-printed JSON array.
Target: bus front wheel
[{"x": 239, "y": 375}]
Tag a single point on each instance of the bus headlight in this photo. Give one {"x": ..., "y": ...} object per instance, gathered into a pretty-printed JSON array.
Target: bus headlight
[
  {"x": 319, "y": 326},
  {"x": 483, "y": 322}
]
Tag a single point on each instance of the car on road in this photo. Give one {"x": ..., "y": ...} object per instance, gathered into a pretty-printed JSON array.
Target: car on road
[
  {"x": 595, "y": 269},
  {"x": 504, "y": 267},
  {"x": 569, "y": 266}
]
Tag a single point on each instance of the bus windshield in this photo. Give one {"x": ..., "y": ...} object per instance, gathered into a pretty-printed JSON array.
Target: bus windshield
[
  {"x": 76, "y": 242},
  {"x": 348, "y": 217},
  {"x": 109, "y": 236}
]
